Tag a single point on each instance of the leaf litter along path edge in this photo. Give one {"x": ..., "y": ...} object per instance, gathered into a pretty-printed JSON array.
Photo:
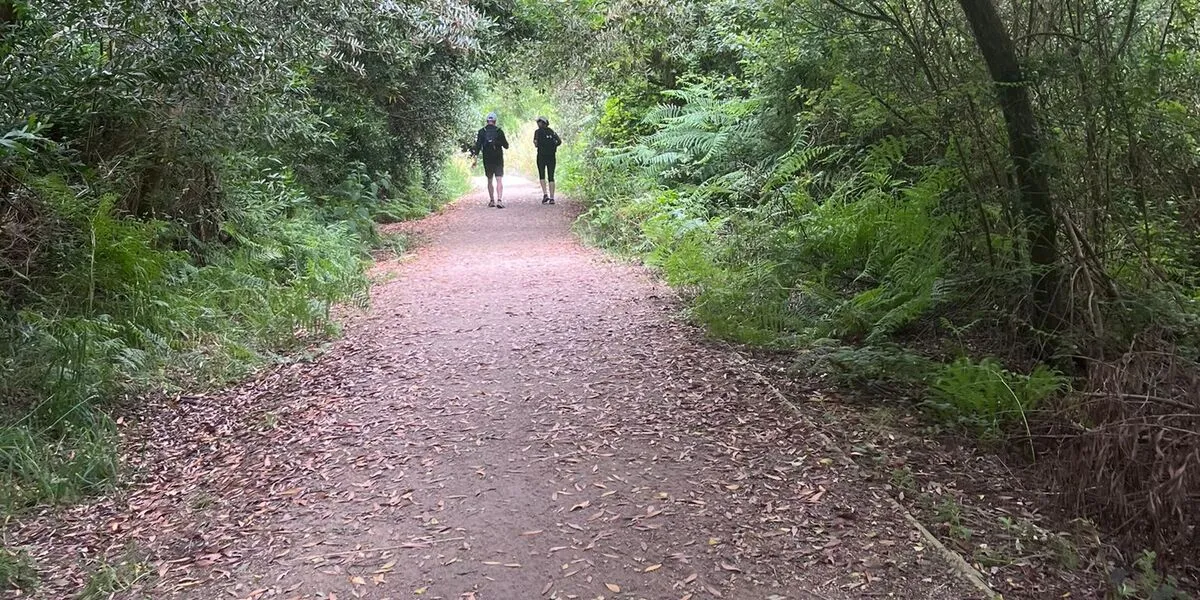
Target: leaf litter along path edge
[{"x": 516, "y": 417}]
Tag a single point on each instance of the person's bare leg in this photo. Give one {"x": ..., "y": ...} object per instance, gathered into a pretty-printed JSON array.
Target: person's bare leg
[
  {"x": 499, "y": 191},
  {"x": 491, "y": 192},
  {"x": 552, "y": 191},
  {"x": 543, "y": 182}
]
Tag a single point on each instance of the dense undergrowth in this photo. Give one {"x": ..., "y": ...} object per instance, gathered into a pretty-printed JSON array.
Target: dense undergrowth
[
  {"x": 187, "y": 189},
  {"x": 836, "y": 179}
]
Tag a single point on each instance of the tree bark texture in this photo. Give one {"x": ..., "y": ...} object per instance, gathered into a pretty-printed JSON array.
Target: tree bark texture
[{"x": 1025, "y": 150}]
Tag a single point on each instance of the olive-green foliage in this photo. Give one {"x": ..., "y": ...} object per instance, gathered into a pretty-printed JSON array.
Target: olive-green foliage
[
  {"x": 767, "y": 260},
  {"x": 187, "y": 188},
  {"x": 17, "y": 570},
  {"x": 107, "y": 579},
  {"x": 887, "y": 364},
  {"x": 986, "y": 398},
  {"x": 810, "y": 171},
  {"x": 1145, "y": 581},
  {"x": 122, "y": 309}
]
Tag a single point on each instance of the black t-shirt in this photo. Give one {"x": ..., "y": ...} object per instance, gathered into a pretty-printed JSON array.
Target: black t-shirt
[
  {"x": 490, "y": 142},
  {"x": 546, "y": 140}
]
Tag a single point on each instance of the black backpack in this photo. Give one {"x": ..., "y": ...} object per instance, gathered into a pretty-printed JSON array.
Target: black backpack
[{"x": 491, "y": 139}]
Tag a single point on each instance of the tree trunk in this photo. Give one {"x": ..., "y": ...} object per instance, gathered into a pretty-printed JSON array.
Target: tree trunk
[
  {"x": 1025, "y": 149},
  {"x": 8, "y": 14}
]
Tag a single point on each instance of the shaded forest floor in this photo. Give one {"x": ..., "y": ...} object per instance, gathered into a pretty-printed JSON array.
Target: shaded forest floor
[{"x": 519, "y": 416}]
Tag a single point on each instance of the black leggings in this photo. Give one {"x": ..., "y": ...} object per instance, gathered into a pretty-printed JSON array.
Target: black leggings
[{"x": 546, "y": 167}]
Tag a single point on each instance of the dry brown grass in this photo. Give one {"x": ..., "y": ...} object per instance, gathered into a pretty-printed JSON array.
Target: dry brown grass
[{"x": 1132, "y": 459}]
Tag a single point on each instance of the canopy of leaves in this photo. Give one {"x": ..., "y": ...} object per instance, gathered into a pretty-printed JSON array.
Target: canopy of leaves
[{"x": 187, "y": 187}]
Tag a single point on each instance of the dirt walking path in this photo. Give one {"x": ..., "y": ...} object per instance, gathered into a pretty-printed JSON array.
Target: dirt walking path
[{"x": 516, "y": 417}]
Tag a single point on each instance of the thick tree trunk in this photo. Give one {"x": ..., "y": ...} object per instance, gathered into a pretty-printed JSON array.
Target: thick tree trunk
[
  {"x": 1025, "y": 149},
  {"x": 8, "y": 14}
]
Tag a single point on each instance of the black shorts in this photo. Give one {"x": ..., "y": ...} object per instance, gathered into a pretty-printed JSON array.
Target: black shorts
[
  {"x": 545, "y": 166},
  {"x": 493, "y": 168}
]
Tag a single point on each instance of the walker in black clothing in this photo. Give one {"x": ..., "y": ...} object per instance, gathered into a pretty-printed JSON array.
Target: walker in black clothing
[{"x": 547, "y": 143}]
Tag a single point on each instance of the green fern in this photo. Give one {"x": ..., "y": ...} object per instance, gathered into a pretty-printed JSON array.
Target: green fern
[
  {"x": 700, "y": 128},
  {"x": 987, "y": 398}
]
